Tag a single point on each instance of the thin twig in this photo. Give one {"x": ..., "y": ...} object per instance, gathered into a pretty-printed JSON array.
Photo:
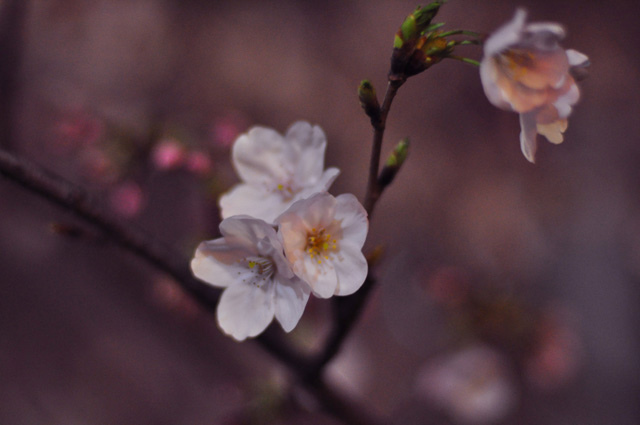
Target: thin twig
[{"x": 373, "y": 188}]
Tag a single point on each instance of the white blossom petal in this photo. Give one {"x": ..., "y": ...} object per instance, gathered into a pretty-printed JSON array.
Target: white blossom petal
[
  {"x": 291, "y": 297},
  {"x": 260, "y": 284},
  {"x": 488, "y": 77},
  {"x": 528, "y": 132},
  {"x": 321, "y": 276},
  {"x": 507, "y": 35},
  {"x": 576, "y": 58},
  {"x": 277, "y": 171},
  {"x": 564, "y": 103},
  {"x": 218, "y": 270},
  {"x": 351, "y": 268},
  {"x": 244, "y": 198},
  {"x": 245, "y": 310},
  {"x": 310, "y": 144},
  {"x": 259, "y": 156},
  {"x": 353, "y": 218}
]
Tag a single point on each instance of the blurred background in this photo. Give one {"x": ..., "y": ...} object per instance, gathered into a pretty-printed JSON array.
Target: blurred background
[{"x": 508, "y": 292}]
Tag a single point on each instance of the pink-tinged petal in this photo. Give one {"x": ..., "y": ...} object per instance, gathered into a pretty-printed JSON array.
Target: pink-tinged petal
[
  {"x": 553, "y": 131},
  {"x": 245, "y": 310},
  {"x": 214, "y": 263},
  {"x": 291, "y": 296},
  {"x": 528, "y": 132},
  {"x": 353, "y": 219},
  {"x": 319, "y": 273},
  {"x": 252, "y": 200},
  {"x": 507, "y": 35},
  {"x": 536, "y": 70},
  {"x": 351, "y": 268},
  {"x": 316, "y": 211},
  {"x": 577, "y": 59},
  {"x": 259, "y": 156}
]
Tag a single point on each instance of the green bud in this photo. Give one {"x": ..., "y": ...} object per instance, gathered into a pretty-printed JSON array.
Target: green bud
[
  {"x": 394, "y": 162},
  {"x": 399, "y": 154},
  {"x": 416, "y": 23},
  {"x": 411, "y": 31},
  {"x": 369, "y": 100}
]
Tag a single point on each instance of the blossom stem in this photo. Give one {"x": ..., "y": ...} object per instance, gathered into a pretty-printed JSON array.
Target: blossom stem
[{"x": 374, "y": 189}]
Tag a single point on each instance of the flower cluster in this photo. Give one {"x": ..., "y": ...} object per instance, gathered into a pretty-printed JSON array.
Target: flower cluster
[
  {"x": 283, "y": 236},
  {"x": 525, "y": 70}
]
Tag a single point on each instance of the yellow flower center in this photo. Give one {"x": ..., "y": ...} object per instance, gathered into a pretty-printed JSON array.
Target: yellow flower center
[
  {"x": 320, "y": 244},
  {"x": 261, "y": 266},
  {"x": 286, "y": 190}
]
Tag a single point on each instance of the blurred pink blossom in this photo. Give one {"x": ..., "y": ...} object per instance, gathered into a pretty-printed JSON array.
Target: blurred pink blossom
[
  {"x": 226, "y": 128},
  {"x": 169, "y": 296},
  {"x": 448, "y": 286},
  {"x": 168, "y": 154},
  {"x": 199, "y": 163},
  {"x": 555, "y": 360},
  {"x": 126, "y": 199},
  {"x": 78, "y": 128}
]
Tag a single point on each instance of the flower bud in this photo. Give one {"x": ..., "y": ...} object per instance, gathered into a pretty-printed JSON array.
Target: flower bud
[
  {"x": 416, "y": 24},
  {"x": 411, "y": 33},
  {"x": 394, "y": 162},
  {"x": 369, "y": 100}
]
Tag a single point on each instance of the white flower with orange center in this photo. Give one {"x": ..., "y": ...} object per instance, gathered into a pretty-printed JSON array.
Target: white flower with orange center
[
  {"x": 525, "y": 70},
  {"x": 249, "y": 262},
  {"x": 277, "y": 171},
  {"x": 322, "y": 238}
]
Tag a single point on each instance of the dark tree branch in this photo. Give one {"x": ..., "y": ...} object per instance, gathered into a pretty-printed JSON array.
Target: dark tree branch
[{"x": 62, "y": 193}]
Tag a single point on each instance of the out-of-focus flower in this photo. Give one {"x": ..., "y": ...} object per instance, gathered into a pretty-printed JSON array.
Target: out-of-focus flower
[
  {"x": 199, "y": 163},
  {"x": 97, "y": 165},
  {"x": 169, "y": 296},
  {"x": 473, "y": 386},
  {"x": 556, "y": 356},
  {"x": 226, "y": 128},
  {"x": 277, "y": 171},
  {"x": 525, "y": 70},
  {"x": 249, "y": 262},
  {"x": 322, "y": 238},
  {"x": 126, "y": 199},
  {"x": 78, "y": 128},
  {"x": 168, "y": 154}
]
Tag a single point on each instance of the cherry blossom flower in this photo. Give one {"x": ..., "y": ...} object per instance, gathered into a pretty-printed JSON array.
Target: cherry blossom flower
[
  {"x": 525, "y": 70},
  {"x": 248, "y": 261},
  {"x": 277, "y": 171},
  {"x": 322, "y": 238}
]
